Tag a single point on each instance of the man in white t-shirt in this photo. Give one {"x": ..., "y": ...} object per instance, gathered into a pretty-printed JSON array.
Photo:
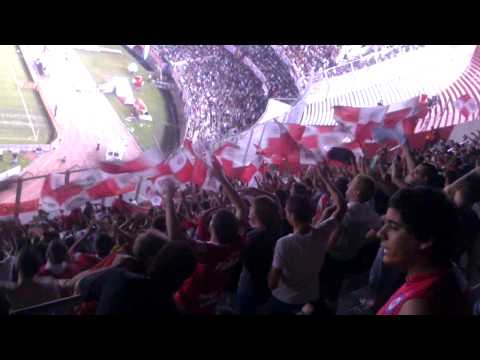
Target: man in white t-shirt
[{"x": 298, "y": 257}]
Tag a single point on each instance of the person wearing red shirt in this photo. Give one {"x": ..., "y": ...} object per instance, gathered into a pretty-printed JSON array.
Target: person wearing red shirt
[
  {"x": 120, "y": 206},
  {"x": 419, "y": 235},
  {"x": 202, "y": 293}
]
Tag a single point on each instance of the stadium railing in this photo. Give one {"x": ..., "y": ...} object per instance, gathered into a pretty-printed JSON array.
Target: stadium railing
[{"x": 62, "y": 306}]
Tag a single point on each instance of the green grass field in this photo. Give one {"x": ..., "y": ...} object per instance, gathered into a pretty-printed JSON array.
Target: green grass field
[
  {"x": 103, "y": 66},
  {"x": 5, "y": 165},
  {"x": 20, "y": 108}
]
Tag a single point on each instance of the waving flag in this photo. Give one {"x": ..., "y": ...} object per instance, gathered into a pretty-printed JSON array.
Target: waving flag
[
  {"x": 56, "y": 195},
  {"x": 231, "y": 156},
  {"x": 143, "y": 164},
  {"x": 466, "y": 105},
  {"x": 381, "y": 123},
  {"x": 278, "y": 147},
  {"x": 108, "y": 186},
  {"x": 7, "y": 211}
]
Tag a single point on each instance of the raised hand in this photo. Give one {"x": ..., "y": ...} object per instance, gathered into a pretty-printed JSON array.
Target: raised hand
[
  {"x": 354, "y": 167},
  {"x": 217, "y": 170},
  {"x": 170, "y": 188}
]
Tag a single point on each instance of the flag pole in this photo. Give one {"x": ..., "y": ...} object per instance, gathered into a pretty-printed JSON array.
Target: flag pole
[{"x": 248, "y": 145}]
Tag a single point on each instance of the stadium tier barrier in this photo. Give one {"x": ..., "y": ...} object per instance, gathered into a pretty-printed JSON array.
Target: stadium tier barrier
[
  {"x": 25, "y": 147},
  {"x": 62, "y": 306}
]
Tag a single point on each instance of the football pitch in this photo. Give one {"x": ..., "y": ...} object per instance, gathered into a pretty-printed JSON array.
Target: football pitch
[
  {"x": 103, "y": 66},
  {"x": 23, "y": 118}
]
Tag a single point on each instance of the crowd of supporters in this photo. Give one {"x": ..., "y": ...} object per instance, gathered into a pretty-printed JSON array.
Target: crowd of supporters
[
  {"x": 223, "y": 95},
  {"x": 220, "y": 93},
  {"x": 321, "y": 61},
  {"x": 409, "y": 218},
  {"x": 279, "y": 81}
]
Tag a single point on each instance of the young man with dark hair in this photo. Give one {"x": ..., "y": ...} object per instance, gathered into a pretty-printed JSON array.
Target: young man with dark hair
[
  {"x": 298, "y": 257},
  {"x": 419, "y": 235}
]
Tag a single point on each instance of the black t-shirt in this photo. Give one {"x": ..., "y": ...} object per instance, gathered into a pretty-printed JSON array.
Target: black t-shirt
[
  {"x": 120, "y": 292},
  {"x": 257, "y": 261},
  {"x": 4, "y": 305},
  {"x": 470, "y": 228}
]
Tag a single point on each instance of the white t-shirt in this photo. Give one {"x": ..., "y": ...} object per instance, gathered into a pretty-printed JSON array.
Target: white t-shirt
[
  {"x": 299, "y": 259},
  {"x": 360, "y": 218}
]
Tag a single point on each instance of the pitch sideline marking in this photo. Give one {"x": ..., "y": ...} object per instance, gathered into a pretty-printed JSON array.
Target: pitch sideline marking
[{"x": 23, "y": 100}]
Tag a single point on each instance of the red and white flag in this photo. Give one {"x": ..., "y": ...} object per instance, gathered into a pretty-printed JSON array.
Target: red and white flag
[
  {"x": 466, "y": 105},
  {"x": 359, "y": 122},
  {"x": 56, "y": 195},
  {"x": 148, "y": 192},
  {"x": 143, "y": 164},
  {"x": 7, "y": 210},
  {"x": 320, "y": 139},
  {"x": 112, "y": 185},
  {"x": 184, "y": 166},
  {"x": 364, "y": 123},
  {"x": 278, "y": 147},
  {"x": 235, "y": 164},
  {"x": 201, "y": 157}
]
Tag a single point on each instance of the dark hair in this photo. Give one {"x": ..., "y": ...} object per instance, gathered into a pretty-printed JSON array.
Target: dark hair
[
  {"x": 225, "y": 225},
  {"x": 41, "y": 249},
  {"x": 266, "y": 211},
  {"x": 159, "y": 223},
  {"x": 103, "y": 244},
  {"x": 56, "y": 252},
  {"x": 205, "y": 205},
  {"x": 300, "y": 189},
  {"x": 367, "y": 187},
  {"x": 471, "y": 189},
  {"x": 147, "y": 245},
  {"x": 431, "y": 173},
  {"x": 429, "y": 215},
  {"x": 300, "y": 207},
  {"x": 172, "y": 265},
  {"x": 282, "y": 195},
  {"x": 342, "y": 184},
  {"x": 49, "y": 236},
  {"x": 451, "y": 176},
  {"x": 28, "y": 262}
]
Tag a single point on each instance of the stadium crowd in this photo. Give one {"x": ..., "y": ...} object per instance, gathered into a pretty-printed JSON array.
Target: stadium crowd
[
  {"x": 279, "y": 81},
  {"x": 408, "y": 217},
  {"x": 223, "y": 95},
  {"x": 220, "y": 93},
  {"x": 323, "y": 61}
]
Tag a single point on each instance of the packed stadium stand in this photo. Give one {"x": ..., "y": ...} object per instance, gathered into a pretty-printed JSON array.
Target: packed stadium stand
[
  {"x": 414, "y": 73},
  {"x": 279, "y": 225}
]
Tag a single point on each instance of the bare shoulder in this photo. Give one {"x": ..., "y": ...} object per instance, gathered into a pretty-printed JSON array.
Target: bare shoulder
[{"x": 415, "y": 307}]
